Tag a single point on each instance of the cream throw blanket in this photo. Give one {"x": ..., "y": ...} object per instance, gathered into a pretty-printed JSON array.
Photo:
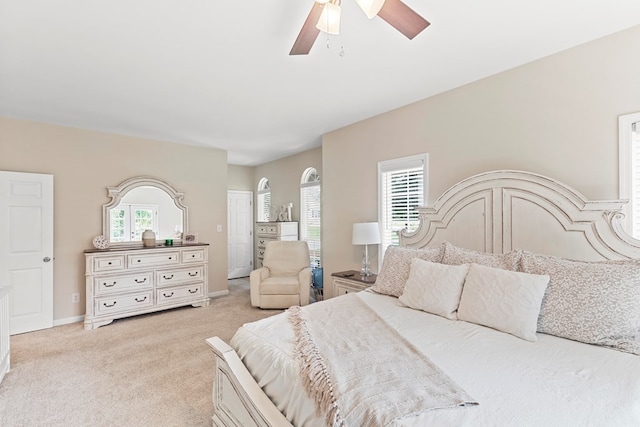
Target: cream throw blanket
[{"x": 360, "y": 372}]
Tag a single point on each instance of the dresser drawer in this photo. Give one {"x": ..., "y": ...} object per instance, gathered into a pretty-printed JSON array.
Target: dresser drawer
[
  {"x": 111, "y": 284},
  {"x": 261, "y": 229},
  {"x": 195, "y": 255},
  {"x": 261, "y": 242},
  {"x": 153, "y": 259},
  {"x": 123, "y": 303},
  {"x": 175, "y": 277},
  {"x": 272, "y": 229},
  {"x": 178, "y": 294},
  {"x": 109, "y": 263}
]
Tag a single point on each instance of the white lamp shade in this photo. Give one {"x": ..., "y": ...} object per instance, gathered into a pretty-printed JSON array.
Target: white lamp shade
[
  {"x": 370, "y": 7},
  {"x": 366, "y": 233},
  {"x": 329, "y": 20}
]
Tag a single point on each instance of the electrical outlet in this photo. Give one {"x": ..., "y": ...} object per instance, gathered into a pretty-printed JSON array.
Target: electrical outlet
[{"x": 75, "y": 298}]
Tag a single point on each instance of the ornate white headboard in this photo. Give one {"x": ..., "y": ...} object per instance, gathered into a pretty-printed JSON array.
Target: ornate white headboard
[{"x": 504, "y": 210}]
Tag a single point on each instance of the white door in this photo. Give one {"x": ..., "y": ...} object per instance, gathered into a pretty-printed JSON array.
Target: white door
[
  {"x": 240, "y": 229},
  {"x": 26, "y": 248}
]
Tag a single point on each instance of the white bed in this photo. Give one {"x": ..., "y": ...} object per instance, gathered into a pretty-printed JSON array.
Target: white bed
[{"x": 552, "y": 381}]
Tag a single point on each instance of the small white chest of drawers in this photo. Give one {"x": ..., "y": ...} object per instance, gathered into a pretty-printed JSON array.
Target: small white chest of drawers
[{"x": 131, "y": 281}]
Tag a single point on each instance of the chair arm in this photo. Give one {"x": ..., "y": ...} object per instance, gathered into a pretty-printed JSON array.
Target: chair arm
[
  {"x": 304, "y": 277},
  {"x": 255, "y": 278}
]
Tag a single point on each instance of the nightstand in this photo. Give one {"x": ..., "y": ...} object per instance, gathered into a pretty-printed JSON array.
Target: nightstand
[{"x": 351, "y": 281}]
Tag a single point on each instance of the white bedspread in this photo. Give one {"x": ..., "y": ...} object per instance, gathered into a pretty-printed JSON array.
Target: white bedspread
[{"x": 552, "y": 382}]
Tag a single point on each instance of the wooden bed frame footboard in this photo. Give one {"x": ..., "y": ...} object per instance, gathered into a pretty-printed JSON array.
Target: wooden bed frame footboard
[
  {"x": 491, "y": 212},
  {"x": 238, "y": 400}
]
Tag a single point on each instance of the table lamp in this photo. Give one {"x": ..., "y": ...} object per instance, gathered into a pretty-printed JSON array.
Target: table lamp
[{"x": 366, "y": 233}]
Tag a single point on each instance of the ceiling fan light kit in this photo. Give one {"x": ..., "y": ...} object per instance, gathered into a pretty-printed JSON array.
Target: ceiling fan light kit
[
  {"x": 325, "y": 16},
  {"x": 329, "y": 20},
  {"x": 370, "y": 7}
]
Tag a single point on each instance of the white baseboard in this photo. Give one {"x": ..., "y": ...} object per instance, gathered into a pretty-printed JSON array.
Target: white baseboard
[
  {"x": 68, "y": 320},
  {"x": 218, "y": 294},
  {"x": 77, "y": 319}
]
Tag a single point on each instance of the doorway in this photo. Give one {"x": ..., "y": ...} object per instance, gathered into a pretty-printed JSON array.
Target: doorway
[
  {"x": 26, "y": 249},
  {"x": 240, "y": 233}
]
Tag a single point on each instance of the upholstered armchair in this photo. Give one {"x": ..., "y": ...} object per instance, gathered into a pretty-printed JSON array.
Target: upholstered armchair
[{"x": 285, "y": 277}]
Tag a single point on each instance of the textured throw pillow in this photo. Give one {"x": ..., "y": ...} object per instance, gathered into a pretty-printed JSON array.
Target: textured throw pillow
[
  {"x": 592, "y": 302},
  {"x": 434, "y": 288},
  {"x": 454, "y": 255},
  {"x": 508, "y": 301},
  {"x": 395, "y": 268}
]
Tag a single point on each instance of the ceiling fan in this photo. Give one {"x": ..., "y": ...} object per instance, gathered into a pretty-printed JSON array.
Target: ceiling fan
[{"x": 325, "y": 16}]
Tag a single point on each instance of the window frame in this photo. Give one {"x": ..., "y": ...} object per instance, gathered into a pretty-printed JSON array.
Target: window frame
[
  {"x": 626, "y": 135},
  {"x": 311, "y": 179},
  {"x": 398, "y": 165},
  {"x": 263, "y": 213}
]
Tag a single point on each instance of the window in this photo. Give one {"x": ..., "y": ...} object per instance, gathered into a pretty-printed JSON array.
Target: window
[
  {"x": 128, "y": 222},
  {"x": 263, "y": 207},
  {"x": 629, "y": 134},
  {"x": 402, "y": 185},
  {"x": 310, "y": 213}
]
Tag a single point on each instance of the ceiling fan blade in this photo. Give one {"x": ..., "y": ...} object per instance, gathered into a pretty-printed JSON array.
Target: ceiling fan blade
[
  {"x": 308, "y": 33},
  {"x": 403, "y": 18}
]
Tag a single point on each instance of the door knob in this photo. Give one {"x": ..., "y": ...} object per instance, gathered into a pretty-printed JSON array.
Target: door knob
[{"x": 46, "y": 259}]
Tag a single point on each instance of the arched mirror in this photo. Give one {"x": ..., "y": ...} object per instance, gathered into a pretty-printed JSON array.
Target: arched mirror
[{"x": 143, "y": 203}]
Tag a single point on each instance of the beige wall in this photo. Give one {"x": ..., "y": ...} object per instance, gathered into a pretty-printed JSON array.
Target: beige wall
[
  {"x": 556, "y": 116},
  {"x": 240, "y": 178},
  {"x": 284, "y": 178},
  {"x": 84, "y": 163}
]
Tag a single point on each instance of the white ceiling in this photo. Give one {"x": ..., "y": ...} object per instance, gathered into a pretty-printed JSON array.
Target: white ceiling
[{"x": 217, "y": 72}]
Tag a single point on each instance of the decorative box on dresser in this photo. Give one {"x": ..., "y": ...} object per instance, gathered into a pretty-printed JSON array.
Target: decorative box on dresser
[
  {"x": 269, "y": 231},
  {"x": 345, "y": 282},
  {"x": 125, "y": 281}
]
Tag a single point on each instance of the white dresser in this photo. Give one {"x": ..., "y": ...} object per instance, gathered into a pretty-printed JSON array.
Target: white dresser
[
  {"x": 125, "y": 282},
  {"x": 269, "y": 231}
]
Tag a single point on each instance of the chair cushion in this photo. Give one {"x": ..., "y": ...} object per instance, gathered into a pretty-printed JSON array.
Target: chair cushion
[
  {"x": 280, "y": 286},
  {"x": 286, "y": 258}
]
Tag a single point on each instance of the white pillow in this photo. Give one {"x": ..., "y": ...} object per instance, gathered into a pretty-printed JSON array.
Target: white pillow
[
  {"x": 508, "y": 301},
  {"x": 434, "y": 288}
]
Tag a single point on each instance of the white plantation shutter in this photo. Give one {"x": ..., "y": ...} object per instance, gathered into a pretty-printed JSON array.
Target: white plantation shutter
[
  {"x": 629, "y": 166},
  {"x": 310, "y": 214},
  {"x": 635, "y": 180},
  {"x": 263, "y": 207},
  {"x": 402, "y": 185}
]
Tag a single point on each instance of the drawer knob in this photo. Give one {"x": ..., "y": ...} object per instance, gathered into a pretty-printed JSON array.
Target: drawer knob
[
  {"x": 193, "y": 256},
  {"x": 139, "y": 260},
  {"x": 167, "y": 278},
  {"x": 193, "y": 292},
  {"x": 109, "y": 263},
  {"x": 194, "y": 274},
  {"x": 109, "y": 285},
  {"x": 170, "y": 258},
  {"x": 138, "y": 281},
  {"x": 168, "y": 296},
  {"x": 107, "y": 305},
  {"x": 141, "y": 300}
]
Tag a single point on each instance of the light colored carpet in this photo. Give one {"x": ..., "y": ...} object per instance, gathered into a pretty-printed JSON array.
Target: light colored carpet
[{"x": 151, "y": 370}]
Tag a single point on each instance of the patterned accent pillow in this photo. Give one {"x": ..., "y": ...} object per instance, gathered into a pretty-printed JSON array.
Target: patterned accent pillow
[
  {"x": 454, "y": 255},
  {"x": 396, "y": 266},
  {"x": 592, "y": 302}
]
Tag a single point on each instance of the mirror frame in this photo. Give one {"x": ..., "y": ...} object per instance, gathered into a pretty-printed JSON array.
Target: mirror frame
[{"x": 117, "y": 193}]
